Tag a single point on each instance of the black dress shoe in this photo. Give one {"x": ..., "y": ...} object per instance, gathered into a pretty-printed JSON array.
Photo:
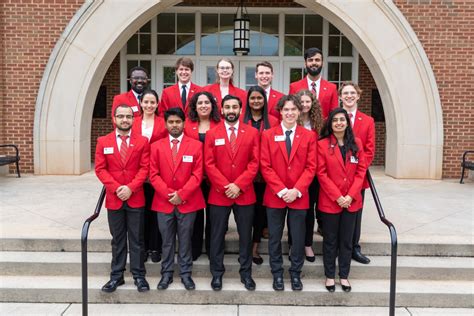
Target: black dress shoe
[
  {"x": 278, "y": 284},
  {"x": 196, "y": 256},
  {"x": 359, "y": 257},
  {"x": 142, "y": 284},
  {"x": 164, "y": 282},
  {"x": 249, "y": 283},
  {"x": 145, "y": 258},
  {"x": 311, "y": 258},
  {"x": 216, "y": 283},
  {"x": 188, "y": 283},
  {"x": 155, "y": 256},
  {"x": 257, "y": 260},
  {"x": 346, "y": 288},
  {"x": 296, "y": 284},
  {"x": 331, "y": 288},
  {"x": 112, "y": 285}
]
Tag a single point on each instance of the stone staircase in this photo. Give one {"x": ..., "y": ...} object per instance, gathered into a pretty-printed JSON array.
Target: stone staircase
[{"x": 428, "y": 275}]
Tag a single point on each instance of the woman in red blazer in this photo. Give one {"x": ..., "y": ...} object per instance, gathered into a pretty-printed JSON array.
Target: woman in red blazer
[
  {"x": 341, "y": 172},
  {"x": 150, "y": 125},
  {"x": 203, "y": 115},
  {"x": 225, "y": 84},
  {"x": 257, "y": 116}
]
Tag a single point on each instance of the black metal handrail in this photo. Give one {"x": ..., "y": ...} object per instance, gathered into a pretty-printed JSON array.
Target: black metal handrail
[
  {"x": 394, "y": 242},
  {"x": 84, "y": 233}
]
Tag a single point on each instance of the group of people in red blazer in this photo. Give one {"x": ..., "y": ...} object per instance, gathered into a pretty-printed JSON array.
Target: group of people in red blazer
[{"x": 176, "y": 168}]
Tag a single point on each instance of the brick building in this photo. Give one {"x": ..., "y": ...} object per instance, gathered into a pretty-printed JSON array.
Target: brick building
[{"x": 414, "y": 56}]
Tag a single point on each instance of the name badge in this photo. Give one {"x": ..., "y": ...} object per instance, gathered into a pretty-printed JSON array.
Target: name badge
[
  {"x": 187, "y": 158},
  {"x": 135, "y": 108},
  {"x": 219, "y": 142},
  {"x": 108, "y": 150},
  {"x": 280, "y": 138},
  {"x": 354, "y": 159}
]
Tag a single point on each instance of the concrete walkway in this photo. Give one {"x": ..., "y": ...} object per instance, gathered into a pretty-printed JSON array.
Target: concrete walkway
[{"x": 423, "y": 211}]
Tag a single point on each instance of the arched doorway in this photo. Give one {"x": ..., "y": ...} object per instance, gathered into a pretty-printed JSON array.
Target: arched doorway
[{"x": 378, "y": 31}]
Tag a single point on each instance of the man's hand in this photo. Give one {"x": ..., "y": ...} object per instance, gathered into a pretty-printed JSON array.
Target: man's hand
[
  {"x": 233, "y": 191},
  {"x": 123, "y": 192},
  {"x": 290, "y": 195},
  {"x": 175, "y": 199}
]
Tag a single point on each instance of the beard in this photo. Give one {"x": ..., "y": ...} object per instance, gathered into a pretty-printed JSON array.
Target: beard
[
  {"x": 314, "y": 71},
  {"x": 139, "y": 90},
  {"x": 124, "y": 129},
  {"x": 233, "y": 119}
]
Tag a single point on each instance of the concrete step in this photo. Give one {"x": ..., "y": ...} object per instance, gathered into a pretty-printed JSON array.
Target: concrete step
[
  {"x": 370, "y": 247},
  {"x": 62, "y": 289},
  {"x": 69, "y": 264}
]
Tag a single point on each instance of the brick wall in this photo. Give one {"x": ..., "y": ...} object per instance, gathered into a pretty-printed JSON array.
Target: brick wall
[
  {"x": 445, "y": 29},
  {"x": 30, "y": 29}
]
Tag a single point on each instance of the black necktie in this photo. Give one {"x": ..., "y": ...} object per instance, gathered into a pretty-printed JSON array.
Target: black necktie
[
  {"x": 288, "y": 142},
  {"x": 183, "y": 95}
]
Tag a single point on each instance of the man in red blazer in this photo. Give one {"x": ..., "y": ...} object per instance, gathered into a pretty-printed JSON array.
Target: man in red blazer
[
  {"x": 325, "y": 91},
  {"x": 179, "y": 94},
  {"x": 264, "y": 76},
  {"x": 231, "y": 154},
  {"x": 176, "y": 173},
  {"x": 288, "y": 165},
  {"x": 363, "y": 127},
  {"x": 139, "y": 82},
  {"x": 121, "y": 164}
]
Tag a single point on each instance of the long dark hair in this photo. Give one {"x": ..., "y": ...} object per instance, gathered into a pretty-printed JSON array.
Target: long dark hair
[
  {"x": 155, "y": 94},
  {"x": 349, "y": 139},
  {"x": 248, "y": 111},
  {"x": 193, "y": 115}
]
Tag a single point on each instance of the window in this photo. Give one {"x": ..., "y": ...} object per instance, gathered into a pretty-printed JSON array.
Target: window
[
  {"x": 176, "y": 34},
  {"x": 140, "y": 42},
  {"x": 301, "y": 32}
]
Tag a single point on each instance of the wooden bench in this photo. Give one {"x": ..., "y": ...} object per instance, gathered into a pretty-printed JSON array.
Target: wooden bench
[
  {"x": 6, "y": 159},
  {"x": 466, "y": 164}
]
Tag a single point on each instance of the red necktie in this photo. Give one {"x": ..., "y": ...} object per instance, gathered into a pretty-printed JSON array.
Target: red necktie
[
  {"x": 350, "y": 117},
  {"x": 313, "y": 89},
  {"x": 123, "y": 148},
  {"x": 174, "y": 150},
  {"x": 233, "y": 138}
]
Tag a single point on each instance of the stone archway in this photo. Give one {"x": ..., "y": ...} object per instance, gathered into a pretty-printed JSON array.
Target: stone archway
[{"x": 376, "y": 28}]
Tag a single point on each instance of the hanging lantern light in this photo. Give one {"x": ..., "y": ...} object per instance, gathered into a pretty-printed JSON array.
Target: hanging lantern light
[{"x": 241, "y": 31}]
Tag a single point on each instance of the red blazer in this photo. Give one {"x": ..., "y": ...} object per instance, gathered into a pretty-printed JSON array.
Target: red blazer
[
  {"x": 159, "y": 129},
  {"x": 112, "y": 173},
  {"x": 233, "y": 90},
  {"x": 222, "y": 168},
  {"x": 364, "y": 129},
  {"x": 185, "y": 177},
  {"x": 337, "y": 178},
  {"x": 272, "y": 101},
  {"x": 280, "y": 172},
  {"x": 191, "y": 128},
  {"x": 327, "y": 94},
  {"x": 171, "y": 98},
  {"x": 129, "y": 99}
]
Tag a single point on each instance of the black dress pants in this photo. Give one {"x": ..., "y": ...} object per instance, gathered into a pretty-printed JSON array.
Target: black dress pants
[
  {"x": 260, "y": 218},
  {"x": 276, "y": 224},
  {"x": 358, "y": 224},
  {"x": 338, "y": 230},
  {"x": 202, "y": 227},
  {"x": 219, "y": 216},
  {"x": 124, "y": 223},
  {"x": 152, "y": 233}
]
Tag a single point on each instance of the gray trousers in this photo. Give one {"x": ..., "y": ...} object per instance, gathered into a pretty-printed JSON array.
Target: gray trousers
[{"x": 170, "y": 225}]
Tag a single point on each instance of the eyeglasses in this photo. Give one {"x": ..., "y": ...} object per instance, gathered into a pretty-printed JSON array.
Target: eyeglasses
[{"x": 121, "y": 116}]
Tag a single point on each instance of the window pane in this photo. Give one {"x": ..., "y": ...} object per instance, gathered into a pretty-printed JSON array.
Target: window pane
[
  {"x": 293, "y": 24},
  {"x": 211, "y": 75},
  {"x": 146, "y": 28},
  {"x": 293, "y": 45},
  {"x": 270, "y": 23},
  {"x": 269, "y": 45},
  {"x": 346, "y": 71},
  {"x": 209, "y": 23},
  {"x": 186, "y": 23},
  {"x": 169, "y": 77},
  {"x": 227, "y": 22},
  {"x": 147, "y": 65},
  {"x": 333, "y": 71},
  {"x": 313, "y": 24},
  {"x": 185, "y": 45},
  {"x": 254, "y": 22},
  {"x": 226, "y": 44},
  {"x": 165, "y": 44},
  {"x": 132, "y": 45},
  {"x": 250, "y": 77},
  {"x": 333, "y": 30},
  {"x": 130, "y": 65},
  {"x": 313, "y": 41},
  {"x": 209, "y": 44},
  {"x": 296, "y": 74},
  {"x": 346, "y": 47},
  {"x": 254, "y": 43},
  {"x": 166, "y": 23},
  {"x": 333, "y": 49},
  {"x": 145, "y": 44}
]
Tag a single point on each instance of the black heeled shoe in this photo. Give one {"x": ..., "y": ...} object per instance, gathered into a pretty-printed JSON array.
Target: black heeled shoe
[
  {"x": 331, "y": 288},
  {"x": 346, "y": 288}
]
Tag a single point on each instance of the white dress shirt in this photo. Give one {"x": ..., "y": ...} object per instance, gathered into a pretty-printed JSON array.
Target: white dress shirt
[
  {"x": 227, "y": 128},
  {"x": 318, "y": 85},
  {"x": 180, "y": 139}
]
